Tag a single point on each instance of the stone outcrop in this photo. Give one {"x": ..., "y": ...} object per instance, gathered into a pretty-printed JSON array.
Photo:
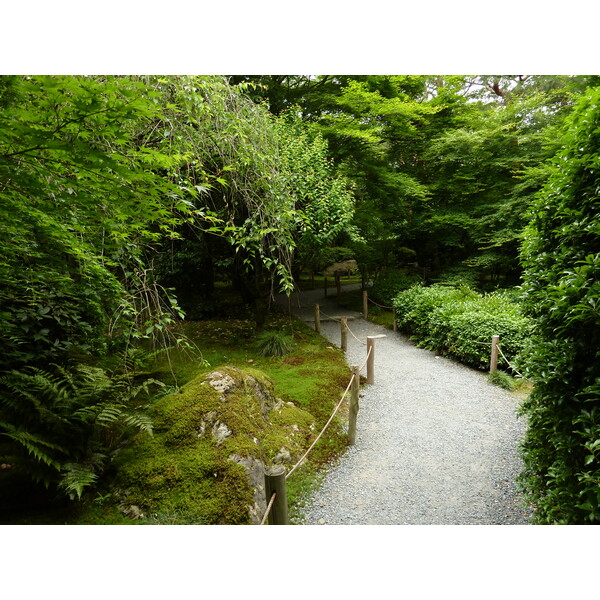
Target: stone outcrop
[{"x": 253, "y": 392}]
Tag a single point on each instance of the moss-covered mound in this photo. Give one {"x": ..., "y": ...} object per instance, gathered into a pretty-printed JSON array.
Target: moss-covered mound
[{"x": 204, "y": 463}]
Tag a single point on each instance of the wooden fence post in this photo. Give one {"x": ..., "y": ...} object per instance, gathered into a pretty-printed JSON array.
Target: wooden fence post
[
  {"x": 370, "y": 360},
  {"x": 494, "y": 355},
  {"x": 344, "y": 333},
  {"x": 371, "y": 357},
  {"x": 395, "y": 325},
  {"x": 275, "y": 483},
  {"x": 365, "y": 304},
  {"x": 338, "y": 284},
  {"x": 317, "y": 319},
  {"x": 353, "y": 405}
]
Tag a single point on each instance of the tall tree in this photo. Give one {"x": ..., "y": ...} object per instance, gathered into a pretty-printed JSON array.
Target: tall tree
[{"x": 265, "y": 185}]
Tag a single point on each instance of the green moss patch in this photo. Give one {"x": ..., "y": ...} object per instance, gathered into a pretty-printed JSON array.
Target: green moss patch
[
  {"x": 189, "y": 471},
  {"x": 183, "y": 472}
]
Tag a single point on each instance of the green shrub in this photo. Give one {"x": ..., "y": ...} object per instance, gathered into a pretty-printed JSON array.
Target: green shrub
[
  {"x": 468, "y": 331},
  {"x": 415, "y": 306},
  {"x": 391, "y": 281},
  {"x": 274, "y": 343},
  {"x": 460, "y": 322},
  {"x": 561, "y": 287}
]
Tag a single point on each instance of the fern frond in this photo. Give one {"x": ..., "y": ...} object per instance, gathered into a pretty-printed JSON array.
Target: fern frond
[
  {"x": 142, "y": 422},
  {"x": 41, "y": 390},
  {"x": 33, "y": 444},
  {"x": 145, "y": 387},
  {"x": 109, "y": 414},
  {"x": 94, "y": 384},
  {"x": 18, "y": 384},
  {"x": 76, "y": 478},
  {"x": 50, "y": 385}
]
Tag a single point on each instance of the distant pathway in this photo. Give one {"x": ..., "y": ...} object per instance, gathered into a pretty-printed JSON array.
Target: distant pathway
[{"x": 436, "y": 443}]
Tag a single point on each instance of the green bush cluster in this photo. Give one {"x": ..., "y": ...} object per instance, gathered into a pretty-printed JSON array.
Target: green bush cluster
[
  {"x": 391, "y": 281},
  {"x": 460, "y": 322},
  {"x": 561, "y": 287}
]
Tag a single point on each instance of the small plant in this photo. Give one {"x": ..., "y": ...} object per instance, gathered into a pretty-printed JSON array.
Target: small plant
[
  {"x": 274, "y": 343},
  {"x": 504, "y": 380}
]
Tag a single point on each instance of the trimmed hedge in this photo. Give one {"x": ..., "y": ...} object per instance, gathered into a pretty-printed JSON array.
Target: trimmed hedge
[{"x": 460, "y": 322}]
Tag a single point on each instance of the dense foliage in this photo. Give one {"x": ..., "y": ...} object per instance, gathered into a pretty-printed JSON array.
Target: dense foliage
[
  {"x": 129, "y": 201},
  {"x": 117, "y": 194},
  {"x": 78, "y": 205},
  {"x": 389, "y": 282},
  {"x": 461, "y": 322},
  {"x": 440, "y": 165},
  {"x": 561, "y": 257},
  {"x": 82, "y": 200}
]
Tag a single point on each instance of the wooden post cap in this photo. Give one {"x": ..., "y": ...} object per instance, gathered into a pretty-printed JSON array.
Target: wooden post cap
[{"x": 274, "y": 470}]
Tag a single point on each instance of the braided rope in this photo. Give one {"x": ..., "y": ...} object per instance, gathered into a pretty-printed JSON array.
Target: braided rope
[
  {"x": 269, "y": 507},
  {"x": 380, "y": 305},
  {"x": 323, "y": 430},
  {"x": 352, "y": 334},
  {"x": 338, "y": 319},
  {"x": 506, "y": 359},
  {"x": 329, "y": 316},
  {"x": 331, "y": 417},
  {"x": 366, "y": 359}
]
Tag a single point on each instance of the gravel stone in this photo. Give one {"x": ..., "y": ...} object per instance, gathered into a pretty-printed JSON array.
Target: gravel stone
[{"x": 436, "y": 443}]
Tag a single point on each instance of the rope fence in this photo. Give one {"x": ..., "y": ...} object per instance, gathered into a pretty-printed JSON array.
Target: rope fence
[
  {"x": 380, "y": 305},
  {"x": 278, "y": 502},
  {"x": 330, "y": 418},
  {"x": 366, "y": 301},
  {"x": 339, "y": 320},
  {"x": 508, "y": 362}
]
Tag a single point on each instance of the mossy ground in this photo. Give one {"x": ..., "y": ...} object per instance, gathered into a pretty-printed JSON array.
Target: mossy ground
[{"x": 180, "y": 477}]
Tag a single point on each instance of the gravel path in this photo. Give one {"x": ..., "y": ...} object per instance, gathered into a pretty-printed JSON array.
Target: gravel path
[{"x": 436, "y": 443}]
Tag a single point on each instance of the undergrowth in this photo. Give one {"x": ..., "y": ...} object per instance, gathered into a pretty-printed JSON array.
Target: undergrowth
[{"x": 176, "y": 478}]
